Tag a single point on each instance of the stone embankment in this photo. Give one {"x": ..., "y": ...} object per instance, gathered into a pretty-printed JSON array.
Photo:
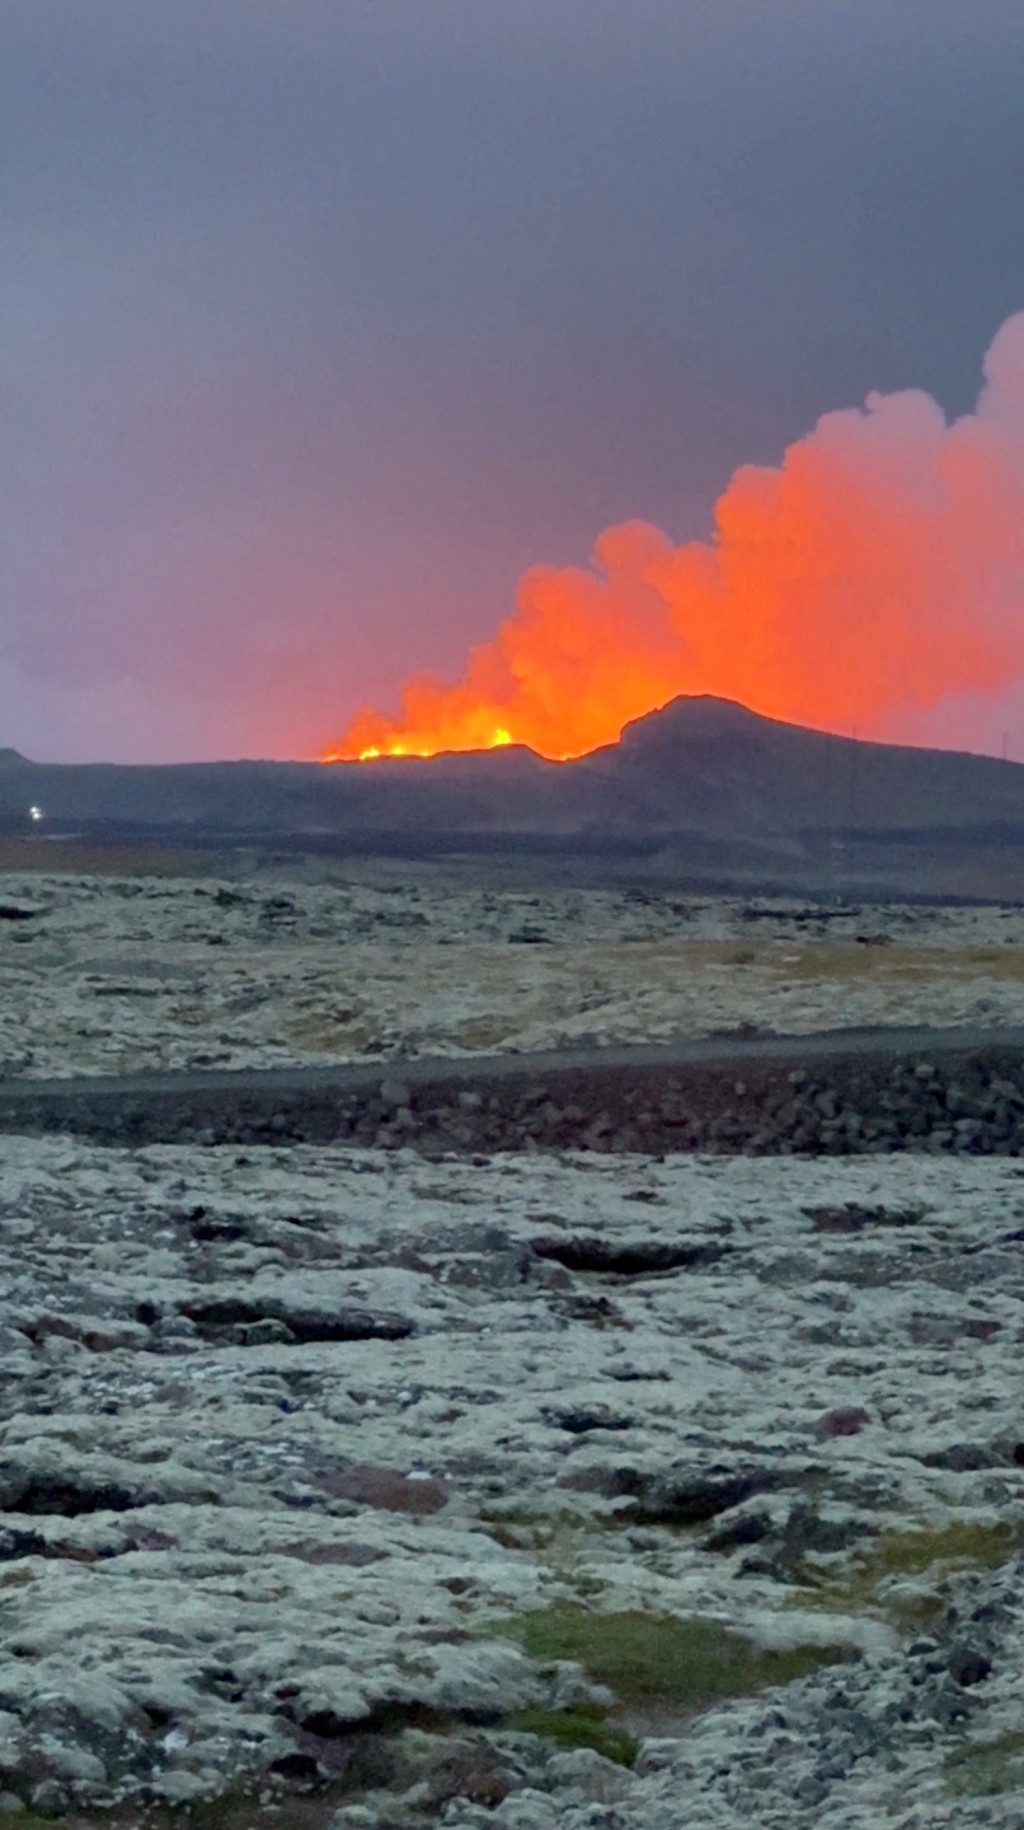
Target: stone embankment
[{"x": 837, "y": 1094}]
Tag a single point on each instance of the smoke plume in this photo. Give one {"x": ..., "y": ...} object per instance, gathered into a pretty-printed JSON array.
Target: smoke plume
[{"x": 878, "y": 569}]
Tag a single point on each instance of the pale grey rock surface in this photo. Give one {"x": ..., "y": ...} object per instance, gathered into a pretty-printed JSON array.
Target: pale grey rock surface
[
  {"x": 234, "y": 1541},
  {"x": 114, "y": 975}
]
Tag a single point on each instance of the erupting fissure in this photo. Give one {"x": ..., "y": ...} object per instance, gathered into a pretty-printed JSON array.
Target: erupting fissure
[{"x": 876, "y": 571}]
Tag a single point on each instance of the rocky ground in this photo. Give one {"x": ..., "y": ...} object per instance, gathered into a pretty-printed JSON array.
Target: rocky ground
[
  {"x": 106, "y": 975},
  {"x": 547, "y": 1492},
  {"x": 352, "y": 1486}
]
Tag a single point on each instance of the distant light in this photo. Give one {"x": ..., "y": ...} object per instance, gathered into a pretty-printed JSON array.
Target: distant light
[{"x": 35, "y": 813}]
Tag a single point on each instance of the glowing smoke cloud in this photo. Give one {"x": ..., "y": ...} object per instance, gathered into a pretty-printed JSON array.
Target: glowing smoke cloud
[{"x": 879, "y": 567}]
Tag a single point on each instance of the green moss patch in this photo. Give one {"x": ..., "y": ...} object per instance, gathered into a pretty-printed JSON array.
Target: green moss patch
[
  {"x": 652, "y": 1659},
  {"x": 986, "y": 1769},
  {"x": 962, "y": 1544},
  {"x": 585, "y": 1726},
  {"x": 933, "y": 1552}
]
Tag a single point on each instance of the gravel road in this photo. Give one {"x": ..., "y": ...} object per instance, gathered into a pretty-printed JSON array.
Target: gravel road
[{"x": 840, "y": 1091}]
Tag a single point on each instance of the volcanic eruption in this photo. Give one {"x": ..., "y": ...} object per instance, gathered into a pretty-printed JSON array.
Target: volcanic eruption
[{"x": 877, "y": 569}]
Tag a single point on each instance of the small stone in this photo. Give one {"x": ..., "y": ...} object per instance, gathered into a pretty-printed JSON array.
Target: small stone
[
  {"x": 578, "y": 1419},
  {"x": 846, "y": 1420},
  {"x": 526, "y": 1810},
  {"x": 847, "y": 1219},
  {"x": 961, "y": 1458},
  {"x": 967, "y": 1666},
  {"x": 50, "y": 1799},
  {"x": 266, "y": 1333},
  {"x": 601, "y": 1781},
  {"x": 354, "y": 1556},
  {"x": 180, "y": 1787},
  {"x": 470, "y": 1769},
  {"x": 389, "y": 1490},
  {"x": 751, "y": 1528}
]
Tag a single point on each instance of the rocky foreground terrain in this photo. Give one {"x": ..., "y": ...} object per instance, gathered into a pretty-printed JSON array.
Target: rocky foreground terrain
[
  {"x": 583, "y": 1491},
  {"x": 355, "y": 1486}
]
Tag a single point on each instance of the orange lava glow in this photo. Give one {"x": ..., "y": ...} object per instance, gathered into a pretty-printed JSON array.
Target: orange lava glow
[
  {"x": 391, "y": 745},
  {"x": 878, "y": 569}
]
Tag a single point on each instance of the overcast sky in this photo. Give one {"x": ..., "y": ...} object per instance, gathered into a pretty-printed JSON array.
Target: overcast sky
[{"x": 323, "y": 320}]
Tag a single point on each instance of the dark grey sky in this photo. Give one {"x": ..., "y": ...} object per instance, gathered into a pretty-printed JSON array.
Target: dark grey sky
[{"x": 323, "y": 320}]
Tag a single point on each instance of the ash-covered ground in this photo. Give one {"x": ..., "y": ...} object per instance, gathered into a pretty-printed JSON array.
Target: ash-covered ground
[{"x": 551, "y": 1491}]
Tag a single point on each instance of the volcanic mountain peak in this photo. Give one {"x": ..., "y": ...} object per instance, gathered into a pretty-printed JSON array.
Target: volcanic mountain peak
[
  {"x": 696, "y": 715},
  {"x": 702, "y": 718},
  {"x": 13, "y": 759}
]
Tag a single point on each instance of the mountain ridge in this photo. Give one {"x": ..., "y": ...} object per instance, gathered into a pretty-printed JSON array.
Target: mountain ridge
[{"x": 703, "y": 781}]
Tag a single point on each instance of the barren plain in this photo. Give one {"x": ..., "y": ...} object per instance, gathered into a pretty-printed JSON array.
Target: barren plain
[
  {"x": 547, "y": 1491},
  {"x": 120, "y": 975}
]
